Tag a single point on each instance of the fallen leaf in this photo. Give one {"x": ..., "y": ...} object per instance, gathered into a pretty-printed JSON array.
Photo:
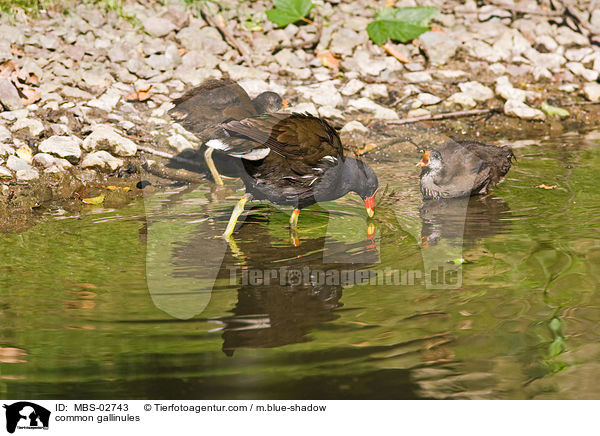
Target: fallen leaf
[
  {"x": 138, "y": 96},
  {"x": 395, "y": 53},
  {"x": 366, "y": 148},
  {"x": 31, "y": 95},
  {"x": 389, "y": 3},
  {"x": 546, "y": 186},
  {"x": 117, "y": 188},
  {"x": 16, "y": 51},
  {"x": 94, "y": 200},
  {"x": 329, "y": 60}
]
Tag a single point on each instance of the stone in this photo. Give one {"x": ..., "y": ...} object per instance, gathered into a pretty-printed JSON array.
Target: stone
[
  {"x": 379, "y": 112},
  {"x": 354, "y": 126},
  {"x": 5, "y": 172},
  {"x": 330, "y": 113},
  {"x": 418, "y": 77},
  {"x": 545, "y": 44},
  {"x": 67, "y": 147},
  {"x": 577, "y": 54},
  {"x": 179, "y": 142},
  {"x": 540, "y": 73},
  {"x": 9, "y": 96},
  {"x": 416, "y": 113},
  {"x": 568, "y": 37},
  {"x": 24, "y": 152},
  {"x": 519, "y": 109},
  {"x": 322, "y": 94},
  {"x": 462, "y": 99},
  {"x": 302, "y": 108},
  {"x": 476, "y": 91},
  {"x": 239, "y": 72},
  {"x": 344, "y": 41},
  {"x": 438, "y": 47},
  {"x": 352, "y": 87},
  {"x": 46, "y": 160},
  {"x": 579, "y": 70},
  {"x": 33, "y": 125},
  {"x": 106, "y": 138},
  {"x": 506, "y": 90},
  {"x": 449, "y": 75},
  {"x": 4, "y": 134},
  {"x": 592, "y": 91},
  {"x": 482, "y": 50},
  {"x": 365, "y": 64},
  {"x": 22, "y": 169},
  {"x": 101, "y": 159},
  {"x": 107, "y": 101},
  {"x": 375, "y": 90},
  {"x": 6, "y": 150},
  {"x": 97, "y": 77},
  {"x": 157, "y": 26},
  {"x": 428, "y": 99}
]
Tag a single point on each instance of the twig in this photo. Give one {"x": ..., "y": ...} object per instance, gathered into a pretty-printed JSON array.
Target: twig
[
  {"x": 512, "y": 9},
  {"x": 441, "y": 116},
  {"x": 219, "y": 23},
  {"x": 579, "y": 103}
]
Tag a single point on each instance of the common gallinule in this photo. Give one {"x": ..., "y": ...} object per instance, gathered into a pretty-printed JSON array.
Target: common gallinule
[
  {"x": 292, "y": 159},
  {"x": 462, "y": 168},
  {"x": 217, "y": 101}
]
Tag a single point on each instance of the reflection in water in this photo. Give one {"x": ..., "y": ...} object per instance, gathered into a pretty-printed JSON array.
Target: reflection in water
[{"x": 446, "y": 219}]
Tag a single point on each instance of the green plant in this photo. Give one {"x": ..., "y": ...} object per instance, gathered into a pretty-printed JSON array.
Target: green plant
[
  {"x": 289, "y": 11},
  {"x": 400, "y": 24}
]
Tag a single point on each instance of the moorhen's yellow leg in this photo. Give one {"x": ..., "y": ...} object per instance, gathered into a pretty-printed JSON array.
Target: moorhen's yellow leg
[
  {"x": 211, "y": 166},
  {"x": 237, "y": 211},
  {"x": 294, "y": 228}
]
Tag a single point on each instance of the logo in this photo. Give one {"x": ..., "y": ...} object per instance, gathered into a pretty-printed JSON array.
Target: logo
[{"x": 26, "y": 415}]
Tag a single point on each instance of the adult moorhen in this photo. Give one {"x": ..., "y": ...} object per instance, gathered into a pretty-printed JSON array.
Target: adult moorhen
[
  {"x": 462, "y": 168},
  {"x": 217, "y": 101},
  {"x": 292, "y": 159}
]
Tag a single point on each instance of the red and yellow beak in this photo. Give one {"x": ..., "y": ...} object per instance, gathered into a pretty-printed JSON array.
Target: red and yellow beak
[
  {"x": 370, "y": 206},
  {"x": 284, "y": 103},
  {"x": 424, "y": 160}
]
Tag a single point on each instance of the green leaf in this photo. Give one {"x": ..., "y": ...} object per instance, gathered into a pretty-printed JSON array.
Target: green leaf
[
  {"x": 553, "y": 110},
  {"x": 381, "y": 30},
  {"x": 416, "y": 15},
  {"x": 289, "y": 11}
]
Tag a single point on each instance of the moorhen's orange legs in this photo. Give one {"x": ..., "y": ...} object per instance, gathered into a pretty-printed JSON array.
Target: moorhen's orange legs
[
  {"x": 211, "y": 166},
  {"x": 294, "y": 228}
]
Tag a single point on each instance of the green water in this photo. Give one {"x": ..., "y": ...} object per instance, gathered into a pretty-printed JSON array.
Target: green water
[{"x": 144, "y": 302}]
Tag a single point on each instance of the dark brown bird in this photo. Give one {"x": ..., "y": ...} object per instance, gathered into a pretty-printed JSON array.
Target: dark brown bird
[
  {"x": 462, "y": 168},
  {"x": 215, "y": 102},
  {"x": 292, "y": 159}
]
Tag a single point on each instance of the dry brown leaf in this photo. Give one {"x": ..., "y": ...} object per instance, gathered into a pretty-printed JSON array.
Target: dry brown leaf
[
  {"x": 366, "y": 148},
  {"x": 329, "y": 60},
  {"x": 138, "y": 96},
  {"x": 31, "y": 95},
  {"x": 16, "y": 51},
  {"x": 395, "y": 53},
  {"x": 546, "y": 186},
  {"x": 390, "y": 3}
]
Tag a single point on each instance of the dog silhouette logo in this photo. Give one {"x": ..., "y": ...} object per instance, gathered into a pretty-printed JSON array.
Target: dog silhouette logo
[{"x": 26, "y": 415}]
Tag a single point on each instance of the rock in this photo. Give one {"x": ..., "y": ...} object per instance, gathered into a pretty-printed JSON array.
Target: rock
[
  {"x": 462, "y": 99},
  {"x": 4, "y": 134},
  {"x": 521, "y": 110},
  {"x": 70, "y": 92},
  {"x": 106, "y": 138},
  {"x": 14, "y": 115},
  {"x": 25, "y": 153},
  {"x": 323, "y": 94},
  {"x": 207, "y": 39},
  {"x": 595, "y": 19},
  {"x": 302, "y": 108},
  {"x": 6, "y": 150},
  {"x": 364, "y": 63},
  {"x": 354, "y": 126},
  {"x": 5, "y": 173},
  {"x": 5, "y": 50},
  {"x": 438, "y": 47},
  {"x": 67, "y": 147},
  {"x": 344, "y": 40},
  {"x": 375, "y": 90},
  {"x": 545, "y": 44},
  {"x": 101, "y": 159},
  {"x": 330, "y": 113},
  {"x": 34, "y": 126},
  {"x": 352, "y": 87},
  {"x": 118, "y": 53},
  {"x": 482, "y": 50},
  {"x": 428, "y": 99},
  {"x": 97, "y": 77},
  {"x": 577, "y": 54},
  {"x": 506, "y": 90},
  {"x": 418, "y": 77},
  {"x": 46, "y": 160},
  {"x": 540, "y": 73},
  {"x": 379, "y": 112},
  {"x": 476, "y": 91},
  {"x": 592, "y": 91},
  {"x": 157, "y": 26},
  {"x": 287, "y": 58},
  {"x": 239, "y": 72},
  {"x": 416, "y": 113},
  {"x": 568, "y": 37},
  {"x": 579, "y": 70},
  {"x": 9, "y": 96},
  {"x": 22, "y": 169},
  {"x": 106, "y": 101},
  {"x": 179, "y": 142},
  {"x": 550, "y": 61},
  {"x": 449, "y": 75}
]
